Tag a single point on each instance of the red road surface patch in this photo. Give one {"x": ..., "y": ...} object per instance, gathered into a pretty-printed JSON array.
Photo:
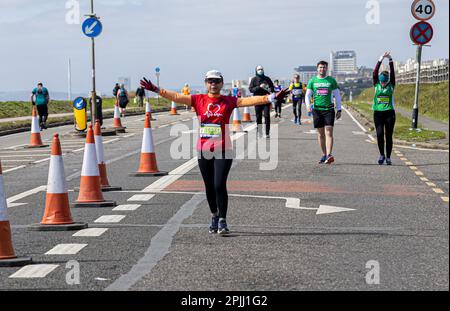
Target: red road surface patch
[{"x": 292, "y": 186}]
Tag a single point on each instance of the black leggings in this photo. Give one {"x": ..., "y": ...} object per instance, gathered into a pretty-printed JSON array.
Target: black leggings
[
  {"x": 43, "y": 113},
  {"x": 297, "y": 104},
  {"x": 259, "y": 113},
  {"x": 278, "y": 107},
  {"x": 384, "y": 124},
  {"x": 215, "y": 173}
]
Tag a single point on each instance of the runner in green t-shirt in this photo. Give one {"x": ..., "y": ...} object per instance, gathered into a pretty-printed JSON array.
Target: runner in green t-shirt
[
  {"x": 383, "y": 108},
  {"x": 323, "y": 88}
]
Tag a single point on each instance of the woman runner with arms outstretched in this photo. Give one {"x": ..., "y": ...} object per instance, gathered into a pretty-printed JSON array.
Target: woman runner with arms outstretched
[{"x": 214, "y": 144}]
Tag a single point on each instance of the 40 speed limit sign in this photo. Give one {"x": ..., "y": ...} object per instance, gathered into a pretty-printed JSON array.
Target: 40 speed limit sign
[{"x": 423, "y": 9}]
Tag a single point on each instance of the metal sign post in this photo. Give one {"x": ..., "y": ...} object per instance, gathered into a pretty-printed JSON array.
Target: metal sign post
[
  {"x": 157, "y": 72},
  {"x": 92, "y": 28},
  {"x": 421, "y": 33}
]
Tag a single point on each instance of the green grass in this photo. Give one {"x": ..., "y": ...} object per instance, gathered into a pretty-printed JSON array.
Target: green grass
[
  {"x": 402, "y": 125},
  {"x": 22, "y": 109},
  {"x": 433, "y": 98}
]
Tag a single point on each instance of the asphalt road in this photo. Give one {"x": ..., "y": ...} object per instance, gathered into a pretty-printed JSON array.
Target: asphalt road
[{"x": 300, "y": 226}]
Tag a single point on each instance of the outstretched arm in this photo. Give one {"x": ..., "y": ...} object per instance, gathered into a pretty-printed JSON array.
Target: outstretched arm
[
  {"x": 176, "y": 97},
  {"x": 391, "y": 71},
  {"x": 261, "y": 100}
]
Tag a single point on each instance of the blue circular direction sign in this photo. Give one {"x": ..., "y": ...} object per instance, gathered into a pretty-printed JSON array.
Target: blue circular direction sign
[
  {"x": 79, "y": 103},
  {"x": 92, "y": 27},
  {"x": 157, "y": 69}
]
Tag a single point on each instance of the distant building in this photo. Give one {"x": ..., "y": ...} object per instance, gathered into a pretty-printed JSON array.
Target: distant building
[
  {"x": 431, "y": 71},
  {"x": 343, "y": 63},
  {"x": 306, "y": 72},
  {"x": 126, "y": 81}
]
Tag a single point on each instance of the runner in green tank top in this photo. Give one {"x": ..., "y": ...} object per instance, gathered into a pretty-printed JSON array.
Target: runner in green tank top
[{"x": 383, "y": 108}]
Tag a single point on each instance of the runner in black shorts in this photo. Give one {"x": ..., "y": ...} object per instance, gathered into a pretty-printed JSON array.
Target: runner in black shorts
[{"x": 324, "y": 88}]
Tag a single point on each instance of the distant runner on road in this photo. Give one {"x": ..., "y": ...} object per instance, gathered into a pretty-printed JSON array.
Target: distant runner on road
[
  {"x": 323, "y": 89},
  {"x": 40, "y": 97},
  {"x": 214, "y": 144},
  {"x": 383, "y": 107},
  {"x": 296, "y": 89}
]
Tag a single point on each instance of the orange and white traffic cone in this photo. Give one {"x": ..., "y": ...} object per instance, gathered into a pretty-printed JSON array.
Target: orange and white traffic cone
[
  {"x": 148, "y": 165},
  {"x": 148, "y": 109},
  {"x": 90, "y": 187},
  {"x": 7, "y": 255},
  {"x": 246, "y": 116},
  {"x": 35, "y": 139},
  {"x": 173, "y": 109},
  {"x": 101, "y": 159},
  {"x": 237, "y": 124},
  {"x": 57, "y": 216},
  {"x": 117, "y": 124}
]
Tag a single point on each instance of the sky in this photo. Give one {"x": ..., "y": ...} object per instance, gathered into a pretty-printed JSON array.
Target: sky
[{"x": 186, "y": 38}]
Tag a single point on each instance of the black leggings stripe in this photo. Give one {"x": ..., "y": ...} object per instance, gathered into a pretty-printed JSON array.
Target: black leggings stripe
[
  {"x": 215, "y": 175},
  {"x": 384, "y": 124}
]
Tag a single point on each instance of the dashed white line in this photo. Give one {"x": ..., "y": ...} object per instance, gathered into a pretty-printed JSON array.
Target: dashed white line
[
  {"x": 110, "y": 219},
  {"x": 14, "y": 169},
  {"x": 127, "y": 207},
  {"x": 66, "y": 249},
  {"x": 34, "y": 271},
  {"x": 91, "y": 232},
  {"x": 431, "y": 184},
  {"x": 437, "y": 190},
  {"x": 141, "y": 197}
]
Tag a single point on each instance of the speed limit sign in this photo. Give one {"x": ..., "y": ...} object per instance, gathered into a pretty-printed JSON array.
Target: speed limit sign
[{"x": 423, "y": 9}]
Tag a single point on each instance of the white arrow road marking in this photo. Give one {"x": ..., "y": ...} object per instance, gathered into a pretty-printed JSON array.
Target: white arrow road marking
[
  {"x": 90, "y": 29},
  {"x": 328, "y": 209},
  {"x": 10, "y": 201}
]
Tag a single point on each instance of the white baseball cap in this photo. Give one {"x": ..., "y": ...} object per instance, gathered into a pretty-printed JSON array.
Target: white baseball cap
[{"x": 213, "y": 74}]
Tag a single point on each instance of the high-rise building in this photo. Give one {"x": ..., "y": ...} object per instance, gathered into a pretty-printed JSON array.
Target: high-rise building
[
  {"x": 343, "y": 62},
  {"x": 306, "y": 72}
]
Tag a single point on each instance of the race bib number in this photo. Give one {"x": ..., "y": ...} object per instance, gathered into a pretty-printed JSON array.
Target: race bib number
[
  {"x": 322, "y": 92},
  {"x": 383, "y": 99},
  {"x": 297, "y": 92},
  {"x": 210, "y": 131}
]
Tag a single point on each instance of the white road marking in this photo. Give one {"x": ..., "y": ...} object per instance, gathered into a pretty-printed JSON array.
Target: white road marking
[
  {"x": 25, "y": 194},
  {"x": 431, "y": 184},
  {"x": 354, "y": 120},
  {"x": 437, "y": 190},
  {"x": 413, "y": 168},
  {"x": 424, "y": 179},
  {"x": 41, "y": 161},
  {"x": 91, "y": 232},
  {"x": 14, "y": 169},
  {"x": 141, "y": 197},
  {"x": 66, "y": 249},
  {"x": 165, "y": 125},
  {"x": 358, "y": 133},
  {"x": 418, "y": 173},
  {"x": 110, "y": 141},
  {"x": 129, "y": 135},
  {"x": 127, "y": 207},
  {"x": 23, "y": 155},
  {"x": 34, "y": 271},
  {"x": 445, "y": 199},
  {"x": 110, "y": 219}
]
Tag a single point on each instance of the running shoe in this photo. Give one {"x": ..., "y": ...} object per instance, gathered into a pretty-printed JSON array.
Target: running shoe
[
  {"x": 323, "y": 159},
  {"x": 381, "y": 159},
  {"x": 295, "y": 120},
  {"x": 223, "y": 228},
  {"x": 388, "y": 161},
  {"x": 330, "y": 159},
  {"x": 214, "y": 225},
  {"x": 299, "y": 121}
]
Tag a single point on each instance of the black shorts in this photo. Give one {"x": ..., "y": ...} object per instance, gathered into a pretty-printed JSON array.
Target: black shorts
[
  {"x": 123, "y": 102},
  {"x": 42, "y": 110},
  {"x": 323, "y": 118}
]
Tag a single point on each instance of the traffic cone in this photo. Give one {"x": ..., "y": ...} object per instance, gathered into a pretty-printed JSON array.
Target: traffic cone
[
  {"x": 7, "y": 255},
  {"x": 117, "y": 124},
  {"x": 173, "y": 109},
  {"x": 237, "y": 124},
  {"x": 35, "y": 139},
  {"x": 148, "y": 166},
  {"x": 246, "y": 117},
  {"x": 90, "y": 187},
  {"x": 57, "y": 216},
  {"x": 148, "y": 109},
  {"x": 101, "y": 159}
]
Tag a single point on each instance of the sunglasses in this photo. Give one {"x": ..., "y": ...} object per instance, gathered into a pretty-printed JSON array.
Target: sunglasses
[{"x": 214, "y": 80}]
